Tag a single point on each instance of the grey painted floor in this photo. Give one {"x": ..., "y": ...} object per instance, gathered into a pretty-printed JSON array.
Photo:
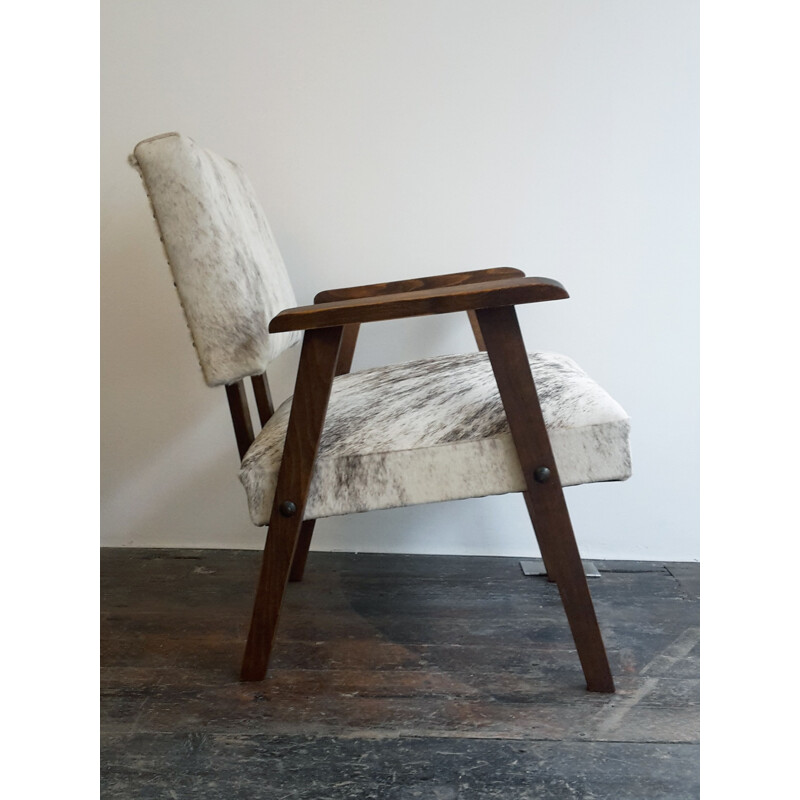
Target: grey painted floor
[{"x": 394, "y": 677}]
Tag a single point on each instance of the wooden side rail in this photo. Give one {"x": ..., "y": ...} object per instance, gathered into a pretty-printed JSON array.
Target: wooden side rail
[
  {"x": 417, "y": 284},
  {"x": 440, "y": 300}
]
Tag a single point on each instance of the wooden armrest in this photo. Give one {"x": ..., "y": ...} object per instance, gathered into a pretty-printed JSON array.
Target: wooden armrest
[
  {"x": 416, "y": 284},
  {"x": 440, "y": 300}
]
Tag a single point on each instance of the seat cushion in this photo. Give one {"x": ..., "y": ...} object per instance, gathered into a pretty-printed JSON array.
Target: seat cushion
[{"x": 435, "y": 429}]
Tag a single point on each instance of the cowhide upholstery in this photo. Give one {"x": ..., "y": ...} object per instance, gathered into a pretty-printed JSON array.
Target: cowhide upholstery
[
  {"x": 435, "y": 429},
  {"x": 419, "y": 432},
  {"x": 227, "y": 269}
]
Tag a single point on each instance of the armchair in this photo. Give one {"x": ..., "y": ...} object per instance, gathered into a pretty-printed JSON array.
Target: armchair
[{"x": 495, "y": 421}]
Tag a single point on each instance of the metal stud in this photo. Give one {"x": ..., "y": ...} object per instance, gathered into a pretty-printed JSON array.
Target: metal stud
[
  {"x": 541, "y": 475},
  {"x": 287, "y": 508}
]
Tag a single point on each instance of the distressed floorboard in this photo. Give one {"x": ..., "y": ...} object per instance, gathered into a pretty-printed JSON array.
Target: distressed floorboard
[
  {"x": 394, "y": 677},
  {"x": 221, "y": 767}
]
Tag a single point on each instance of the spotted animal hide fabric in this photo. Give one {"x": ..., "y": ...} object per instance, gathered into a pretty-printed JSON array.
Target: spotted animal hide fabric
[
  {"x": 435, "y": 429},
  {"x": 226, "y": 266}
]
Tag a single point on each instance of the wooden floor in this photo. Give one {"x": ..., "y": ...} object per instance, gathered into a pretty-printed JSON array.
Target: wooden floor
[{"x": 394, "y": 677}]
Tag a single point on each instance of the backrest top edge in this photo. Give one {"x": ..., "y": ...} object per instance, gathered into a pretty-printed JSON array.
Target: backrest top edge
[{"x": 159, "y": 136}]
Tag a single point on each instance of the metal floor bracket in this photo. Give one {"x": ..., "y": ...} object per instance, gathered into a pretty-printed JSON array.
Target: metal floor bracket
[{"x": 535, "y": 566}]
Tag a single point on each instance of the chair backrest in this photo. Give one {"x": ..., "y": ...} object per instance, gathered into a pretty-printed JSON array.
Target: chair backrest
[{"x": 227, "y": 269}]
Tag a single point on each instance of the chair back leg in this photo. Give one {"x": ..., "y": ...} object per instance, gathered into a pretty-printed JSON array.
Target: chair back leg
[
  {"x": 301, "y": 551},
  {"x": 315, "y": 375},
  {"x": 545, "y": 497},
  {"x": 551, "y": 575}
]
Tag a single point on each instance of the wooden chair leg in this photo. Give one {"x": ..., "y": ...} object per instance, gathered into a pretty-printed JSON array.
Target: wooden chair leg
[
  {"x": 348, "y": 348},
  {"x": 301, "y": 551},
  {"x": 312, "y": 390},
  {"x": 345, "y": 360},
  {"x": 551, "y": 576},
  {"x": 550, "y": 517}
]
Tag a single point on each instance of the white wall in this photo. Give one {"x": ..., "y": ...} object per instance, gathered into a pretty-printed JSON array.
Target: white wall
[{"x": 401, "y": 138}]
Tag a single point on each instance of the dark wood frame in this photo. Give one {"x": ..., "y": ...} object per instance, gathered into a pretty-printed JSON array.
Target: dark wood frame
[{"x": 331, "y": 328}]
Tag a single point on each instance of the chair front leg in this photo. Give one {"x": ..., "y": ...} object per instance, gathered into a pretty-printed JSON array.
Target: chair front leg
[
  {"x": 545, "y": 497},
  {"x": 315, "y": 375},
  {"x": 345, "y": 360}
]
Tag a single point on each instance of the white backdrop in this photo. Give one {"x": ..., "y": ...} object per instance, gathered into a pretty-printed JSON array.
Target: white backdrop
[{"x": 400, "y": 138}]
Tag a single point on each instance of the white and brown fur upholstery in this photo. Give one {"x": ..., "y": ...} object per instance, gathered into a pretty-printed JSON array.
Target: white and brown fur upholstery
[
  {"x": 435, "y": 429},
  {"x": 227, "y": 268},
  {"x": 419, "y": 432}
]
